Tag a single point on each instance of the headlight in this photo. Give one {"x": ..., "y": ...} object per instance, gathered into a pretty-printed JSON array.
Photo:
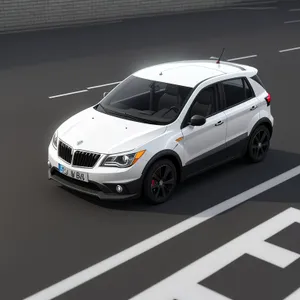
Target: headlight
[
  {"x": 123, "y": 161},
  {"x": 54, "y": 140}
]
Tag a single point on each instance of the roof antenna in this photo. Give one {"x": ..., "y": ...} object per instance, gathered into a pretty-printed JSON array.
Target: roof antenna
[{"x": 218, "y": 61}]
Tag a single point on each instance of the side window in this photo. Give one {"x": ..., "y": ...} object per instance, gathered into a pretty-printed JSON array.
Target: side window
[
  {"x": 237, "y": 91},
  {"x": 248, "y": 90},
  {"x": 257, "y": 79},
  {"x": 204, "y": 103}
]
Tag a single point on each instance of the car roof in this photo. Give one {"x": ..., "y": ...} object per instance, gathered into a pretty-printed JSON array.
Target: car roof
[{"x": 191, "y": 72}]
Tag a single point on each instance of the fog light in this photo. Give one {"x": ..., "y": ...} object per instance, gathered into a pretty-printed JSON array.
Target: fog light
[
  {"x": 119, "y": 189},
  {"x": 49, "y": 165}
]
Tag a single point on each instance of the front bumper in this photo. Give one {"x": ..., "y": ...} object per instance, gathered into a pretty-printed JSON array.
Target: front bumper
[
  {"x": 102, "y": 183},
  {"x": 131, "y": 190}
]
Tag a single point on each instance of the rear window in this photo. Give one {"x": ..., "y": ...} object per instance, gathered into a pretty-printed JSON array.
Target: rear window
[{"x": 258, "y": 80}]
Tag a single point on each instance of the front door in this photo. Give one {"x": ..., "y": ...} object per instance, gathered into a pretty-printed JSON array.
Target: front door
[{"x": 204, "y": 145}]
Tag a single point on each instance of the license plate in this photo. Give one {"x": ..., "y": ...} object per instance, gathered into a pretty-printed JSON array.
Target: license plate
[{"x": 73, "y": 174}]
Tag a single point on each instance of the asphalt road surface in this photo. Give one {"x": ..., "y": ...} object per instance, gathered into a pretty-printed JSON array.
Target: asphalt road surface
[{"x": 48, "y": 234}]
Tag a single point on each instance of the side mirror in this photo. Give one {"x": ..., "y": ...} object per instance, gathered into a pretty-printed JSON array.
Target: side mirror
[
  {"x": 104, "y": 94},
  {"x": 197, "y": 120}
]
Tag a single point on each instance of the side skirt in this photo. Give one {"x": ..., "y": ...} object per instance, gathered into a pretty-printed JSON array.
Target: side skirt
[{"x": 229, "y": 151}]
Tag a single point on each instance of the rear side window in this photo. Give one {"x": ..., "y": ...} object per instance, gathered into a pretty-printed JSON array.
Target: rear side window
[
  {"x": 237, "y": 91},
  {"x": 257, "y": 79}
]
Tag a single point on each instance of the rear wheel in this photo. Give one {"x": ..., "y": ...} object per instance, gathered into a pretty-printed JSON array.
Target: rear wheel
[
  {"x": 160, "y": 182},
  {"x": 259, "y": 144}
]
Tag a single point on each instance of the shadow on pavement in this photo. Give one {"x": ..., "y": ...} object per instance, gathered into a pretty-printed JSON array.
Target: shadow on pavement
[{"x": 211, "y": 188}]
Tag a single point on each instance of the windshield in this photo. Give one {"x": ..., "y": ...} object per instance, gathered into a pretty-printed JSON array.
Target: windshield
[{"x": 146, "y": 101}]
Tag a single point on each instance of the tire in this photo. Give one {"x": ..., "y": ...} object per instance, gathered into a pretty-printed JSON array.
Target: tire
[
  {"x": 153, "y": 188},
  {"x": 259, "y": 144}
]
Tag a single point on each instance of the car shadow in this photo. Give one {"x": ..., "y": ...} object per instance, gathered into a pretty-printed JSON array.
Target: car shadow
[{"x": 210, "y": 188}]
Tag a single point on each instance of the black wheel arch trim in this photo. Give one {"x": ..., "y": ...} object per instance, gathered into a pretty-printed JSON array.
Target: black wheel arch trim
[
  {"x": 161, "y": 155},
  {"x": 260, "y": 122}
]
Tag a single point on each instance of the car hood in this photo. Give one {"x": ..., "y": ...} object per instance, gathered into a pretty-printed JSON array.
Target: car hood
[{"x": 102, "y": 133}]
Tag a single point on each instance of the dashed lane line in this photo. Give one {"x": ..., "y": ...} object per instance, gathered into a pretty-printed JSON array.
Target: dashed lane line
[
  {"x": 291, "y": 22},
  {"x": 67, "y": 94},
  {"x": 243, "y": 57},
  {"x": 290, "y": 49},
  {"x": 112, "y": 262},
  {"x": 103, "y": 85},
  {"x": 117, "y": 82},
  {"x": 236, "y": 58}
]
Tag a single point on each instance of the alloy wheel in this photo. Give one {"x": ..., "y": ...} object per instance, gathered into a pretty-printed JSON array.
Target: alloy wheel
[
  {"x": 260, "y": 144},
  {"x": 163, "y": 182}
]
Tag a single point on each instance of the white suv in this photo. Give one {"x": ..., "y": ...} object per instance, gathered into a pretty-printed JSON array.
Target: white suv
[{"x": 160, "y": 126}]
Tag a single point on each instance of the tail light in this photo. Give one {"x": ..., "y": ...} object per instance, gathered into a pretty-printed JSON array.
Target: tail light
[{"x": 268, "y": 99}]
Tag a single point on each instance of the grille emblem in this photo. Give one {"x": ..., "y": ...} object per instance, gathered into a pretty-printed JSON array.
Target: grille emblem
[{"x": 79, "y": 142}]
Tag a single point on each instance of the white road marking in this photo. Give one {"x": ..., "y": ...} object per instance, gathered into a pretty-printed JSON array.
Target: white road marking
[
  {"x": 256, "y": 8},
  {"x": 243, "y": 57},
  {"x": 291, "y": 49},
  {"x": 103, "y": 85},
  {"x": 294, "y": 9},
  {"x": 85, "y": 90},
  {"x": 117, "y": 82},
  {"x": 252, "y": 242},
  {"x": 67, "y": 94},
  {"x": 293, "y": 21},
  {"x": 294, "y": 296},
  {"x": 91, "y": 272},
  {"x": 236, "y": 58}
]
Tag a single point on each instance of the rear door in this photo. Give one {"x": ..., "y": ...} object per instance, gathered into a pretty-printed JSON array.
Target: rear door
[{"x": 241, "y": 109}]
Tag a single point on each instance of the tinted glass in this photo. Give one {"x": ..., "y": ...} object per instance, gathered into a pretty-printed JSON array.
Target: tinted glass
[
  {"x": 248, "y": 90},
  {"x": 204, "y": 103},
  {"x": 145, "y": 100},
  {"x": 258, "y": 80},
  {"x": 236, "y": 91}
]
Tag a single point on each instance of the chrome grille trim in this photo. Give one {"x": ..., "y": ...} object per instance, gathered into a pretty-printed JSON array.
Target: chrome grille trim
[{"x": 77, "y": 158}]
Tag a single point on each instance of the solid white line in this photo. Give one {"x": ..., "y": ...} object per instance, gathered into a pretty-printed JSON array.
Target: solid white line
[
  {"x": 243, "y": 57},
  {"x": 138, "y": 249},
  {"x": 291, "y": 49},
  {"x": 67, "y": 94},
  {"x": 293, "y": 21},
  {"x": 294, "y": 9},
  {"x": 103, "y": 85},
  {"x": 251, "y": 242},
  {"x": 294, "y": 296}
]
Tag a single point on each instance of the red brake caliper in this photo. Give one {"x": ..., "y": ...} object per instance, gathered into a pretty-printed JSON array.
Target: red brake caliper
[{"x": 152, "y": 183}]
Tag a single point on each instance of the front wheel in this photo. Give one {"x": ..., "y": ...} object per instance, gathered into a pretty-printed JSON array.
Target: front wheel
[
  {"x": 160, "y": 182},
  {"x": 259, "y": 144}
]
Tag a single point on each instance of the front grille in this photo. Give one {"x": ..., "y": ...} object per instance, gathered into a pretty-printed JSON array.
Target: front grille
[
  {"x": 65, "y": 152},
  {"x": 85, "y": 159}
]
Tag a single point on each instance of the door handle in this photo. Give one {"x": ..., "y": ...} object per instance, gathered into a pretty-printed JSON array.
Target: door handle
[
  {"x": 253, "y": 107},
  {"x": 219, "y": 123}
]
